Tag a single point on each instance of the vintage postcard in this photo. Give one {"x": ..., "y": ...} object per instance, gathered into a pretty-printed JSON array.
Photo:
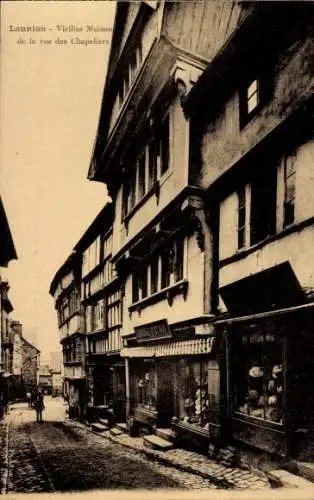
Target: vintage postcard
[{"x": 156, "y": 248}]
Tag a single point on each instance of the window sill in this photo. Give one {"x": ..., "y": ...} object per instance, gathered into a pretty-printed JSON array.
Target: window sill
[
  {"x": 165, "y": 176},
  {"x": 191, "y": 428},
  {"x": 153, "y": 190},
  {"x": 259, "y": 422},
  {"x": 243, "y": 252},
  {"x": 152, "y": 413},
  {"x": 181, "y": 287}
]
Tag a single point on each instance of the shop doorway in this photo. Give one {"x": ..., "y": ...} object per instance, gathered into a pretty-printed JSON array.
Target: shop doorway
[{"x": 166, "y": 376}]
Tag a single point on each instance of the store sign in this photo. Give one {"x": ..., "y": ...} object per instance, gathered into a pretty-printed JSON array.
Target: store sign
[{"x": 154, "y": 331}]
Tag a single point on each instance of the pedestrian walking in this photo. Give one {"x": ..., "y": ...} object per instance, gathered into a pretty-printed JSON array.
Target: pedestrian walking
[
  {"x": 39, "y": 406},
  {"x": 33, "y": 397},
  {"x": 29, "y": 399},
  {"x": 89, "y": 409}
]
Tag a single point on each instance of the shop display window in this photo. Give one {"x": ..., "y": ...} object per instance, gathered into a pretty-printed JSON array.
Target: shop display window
[
  {"x": 146, "y": 383},
  {"x": 194, "y": 400},
  {"x": 259, "y": 381}
]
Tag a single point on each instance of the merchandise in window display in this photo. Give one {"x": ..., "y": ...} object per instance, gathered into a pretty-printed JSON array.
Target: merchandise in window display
[
  {"x": 194, "y": 409},
  {"x": 147, "y": 391},
  {"x": 264, "y": 397}
]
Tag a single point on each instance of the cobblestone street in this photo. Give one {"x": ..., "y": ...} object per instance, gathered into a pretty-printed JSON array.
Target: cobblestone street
[{"x": 54, "y": 456}]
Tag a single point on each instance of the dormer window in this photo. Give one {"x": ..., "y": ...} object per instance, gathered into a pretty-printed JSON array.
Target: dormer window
[
  {"x": 254, "y": 93},
  {"x": 252, "y": 96},
  {"x": 130, "y": 72}
]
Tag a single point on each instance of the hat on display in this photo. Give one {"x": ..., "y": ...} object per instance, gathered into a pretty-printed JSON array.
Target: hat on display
[
  {"x": 277, "y": 370},
  {"x": 272, "y": 400},
  {"x": 256, "y": 372},
  {"x": 253, "y": 394}
]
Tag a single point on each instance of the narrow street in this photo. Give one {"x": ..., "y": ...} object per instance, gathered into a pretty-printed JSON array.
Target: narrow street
[{"x": 54, "y": 456}]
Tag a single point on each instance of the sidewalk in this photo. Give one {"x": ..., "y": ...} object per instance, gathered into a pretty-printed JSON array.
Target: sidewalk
[
  {"x": 3, "y": 453},
  {"x": 188, "y": 461}
]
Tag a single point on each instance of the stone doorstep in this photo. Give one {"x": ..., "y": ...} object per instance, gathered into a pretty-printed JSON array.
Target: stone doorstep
[
  {"x": 115, "y": 431},
  {"x": 157, "y": 443},
  {"x": 103, "y": 421},
  {"x": 99, "y": 427},
  {"x": 166, "y": 434},
  {"x": 122, "y": 426}
]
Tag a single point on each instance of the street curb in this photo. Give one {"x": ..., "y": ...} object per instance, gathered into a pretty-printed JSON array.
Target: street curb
[
  {"x": 222, "y": 483},
  {"x": 290, "y": 480}
]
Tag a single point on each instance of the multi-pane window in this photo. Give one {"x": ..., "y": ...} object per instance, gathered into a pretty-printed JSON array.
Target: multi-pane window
[
  {"x": 172, "y": 263},
  {"x": 73, "y": 352},
  {"x": 194, "y": 400},
  {"x": 146, "y": 386},
  {"x": 135, "y": 61},
  {"x": 131, "y": 192},
  {"x": 290, "y": 181},
  {"x": 263, "y": 205},
  {"x": 164, "y": 269},
  {"x": 91, "y": 257},
  {"x": 252, "y": 96},
  {"x": 259, "y": 378},
  {"x": 166, "y": 265},
  {"x": 241, "y": 217},
  {"x": 152, "y": 163},
  {"x": 107, "y": 246},
  {"x": 144, "y": 281},
  {"x": 135, "y": 286},
  {"x": 141, "y": 165},
  {"x": 164, "y": 146},
  {"x": 178, "y": 260},
  {"x": 154, "y": 275},
  {"x": 98, "y": 315},
  {"x": 108, "y": 266},
  {"x": 255, "y": 92},
  {"x": 89, "y": 318},
  {"x": 114, "y": 310}
]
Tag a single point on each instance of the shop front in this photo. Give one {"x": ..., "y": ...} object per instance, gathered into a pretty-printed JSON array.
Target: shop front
[
  {"x": 175, "y": 383},
  {"x": 270, "y": 361},
  {"x": 76, "y": 397},
  {"x": 107, "y": 386}
]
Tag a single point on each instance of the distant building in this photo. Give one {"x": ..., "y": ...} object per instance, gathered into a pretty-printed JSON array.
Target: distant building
[
  {"x": 65, "y": 289},
  {"x": 55, "y": 362},
  {"x": 45, "y": 378},
  {"x": 30, "y": 364},
  {"x": 20, "y": 362},
  {"x": 57, "y": 383}
]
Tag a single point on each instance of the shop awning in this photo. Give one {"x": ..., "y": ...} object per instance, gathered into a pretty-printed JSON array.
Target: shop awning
[
  {"x": 180, "y": 348},
  {"x": 267, "y": 314},
  {"x": 273, "y": 288}
]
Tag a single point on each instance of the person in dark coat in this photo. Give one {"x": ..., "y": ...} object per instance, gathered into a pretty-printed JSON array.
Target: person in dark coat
[
  {"x": 39, "y": 406},
  {"x": 33, "y": 397}
]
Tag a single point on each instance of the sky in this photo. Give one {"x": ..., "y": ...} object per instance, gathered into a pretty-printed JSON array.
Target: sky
[{"x": 50, "y": 102}]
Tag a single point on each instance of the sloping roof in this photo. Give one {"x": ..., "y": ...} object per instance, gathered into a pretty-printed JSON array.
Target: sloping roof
[
  {"x": 103, "y": 220},
  {"x": 7, "y": 248},
  {"x": 61, "y": 272},
  {"x": 30, "y": 344}
]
